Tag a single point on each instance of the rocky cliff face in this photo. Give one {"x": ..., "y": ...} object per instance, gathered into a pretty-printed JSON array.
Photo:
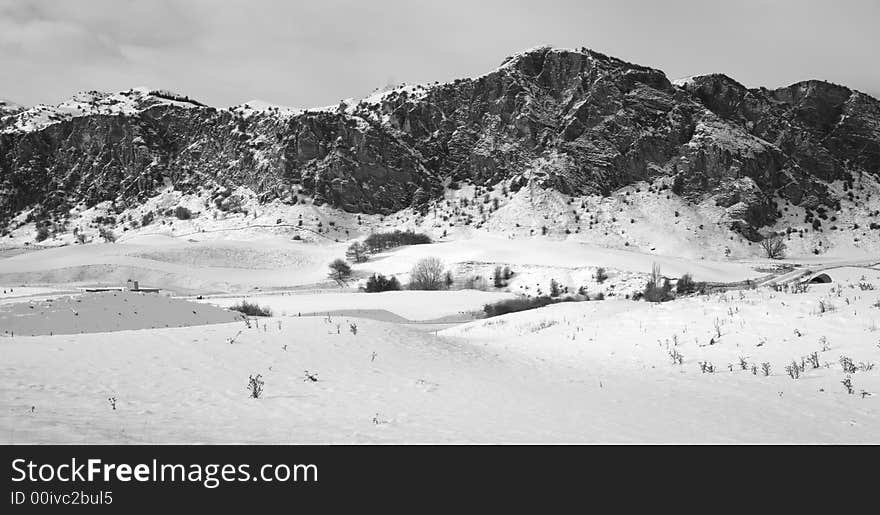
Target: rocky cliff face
[{"x": 572, "y": 120}]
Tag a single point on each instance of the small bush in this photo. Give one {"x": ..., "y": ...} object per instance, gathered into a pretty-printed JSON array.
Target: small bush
[
  {"x": 686, "y": 285},
  {"x": 107, "y": 234},
  {"x": 658, "y": 288},
  {"x": 182, "y": 213},
  {"x": 255, "y": 386},
  {"x": 601, "y": 275},
  {"x": 379, "y": 283},
  {"x": 448, "y": 279},
  {"x": 42, "y": 233},
  {"x": 476, "y": 282},
  {"x": 826, "y": 307},
  {"x": 848, "y": 385},
  {"x": 554, "y": 288},
  {"x": 252, "y": 309},
  {"x": 147, "y": 219}
]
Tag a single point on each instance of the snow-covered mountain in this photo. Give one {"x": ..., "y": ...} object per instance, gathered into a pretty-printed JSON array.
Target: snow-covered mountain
[
  {"x": 94, "y": 103},
  {"x": 7, "y": 109},
  {"x": 570, "y": 120}
]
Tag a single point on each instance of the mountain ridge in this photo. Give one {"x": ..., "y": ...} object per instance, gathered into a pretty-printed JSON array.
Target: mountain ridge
[{"x": 577, "y": 121}]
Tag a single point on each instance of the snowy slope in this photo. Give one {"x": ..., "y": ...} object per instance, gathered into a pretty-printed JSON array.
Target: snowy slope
[{"x": 587, "y": 372}]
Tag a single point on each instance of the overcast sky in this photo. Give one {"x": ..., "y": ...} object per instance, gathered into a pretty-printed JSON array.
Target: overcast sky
[{"x": 314, "y": 53}]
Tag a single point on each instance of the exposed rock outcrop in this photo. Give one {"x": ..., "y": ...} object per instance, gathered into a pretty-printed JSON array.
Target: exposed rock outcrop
[{"x": 573, "y": 120}]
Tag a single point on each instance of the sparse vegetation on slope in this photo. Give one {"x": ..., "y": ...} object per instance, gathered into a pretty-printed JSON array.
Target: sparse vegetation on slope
[{"x": 387, "y": 240}]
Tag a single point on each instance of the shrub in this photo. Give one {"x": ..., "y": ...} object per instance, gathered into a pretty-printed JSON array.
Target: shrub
[
  {"x": 448, "y": 279},
  {"x": 774, "y": 246},
  {"x": 848, "y": 385},
  {"x": 601, "y": 275},
  {"x": 255, "y": 386},
  {"x": 658, "y": 288},
  {"x": 826, "y": 306},
  {"x": 147, "y": 219},
  {"x": 378, "y": 283},
  {"x": 339, "y": 270},
  {"x": 427, "y": 274},
  {"x": 686, "y": 285},
  {"x": 554, "y": 288},
  {"x": 42, "y": 233},
  {"x": 476, "y": 282},
  {"x": 251, "y": 309},
  {"x": 107, "y": 234},
  {"x": 182, "y": 213}
]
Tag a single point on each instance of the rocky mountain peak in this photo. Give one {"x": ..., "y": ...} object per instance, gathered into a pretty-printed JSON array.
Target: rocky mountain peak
[{"x": 572, "y": 120}]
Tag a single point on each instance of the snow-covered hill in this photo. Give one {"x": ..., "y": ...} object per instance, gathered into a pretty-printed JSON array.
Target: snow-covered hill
[
  {"x": 96, "y": 103},
  {"x": 578, "y": 372}
]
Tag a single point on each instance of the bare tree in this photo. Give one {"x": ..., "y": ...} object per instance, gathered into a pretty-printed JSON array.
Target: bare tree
[
  {"x": 774, "y": 246},
  {"x": 427, "y": 274}
]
